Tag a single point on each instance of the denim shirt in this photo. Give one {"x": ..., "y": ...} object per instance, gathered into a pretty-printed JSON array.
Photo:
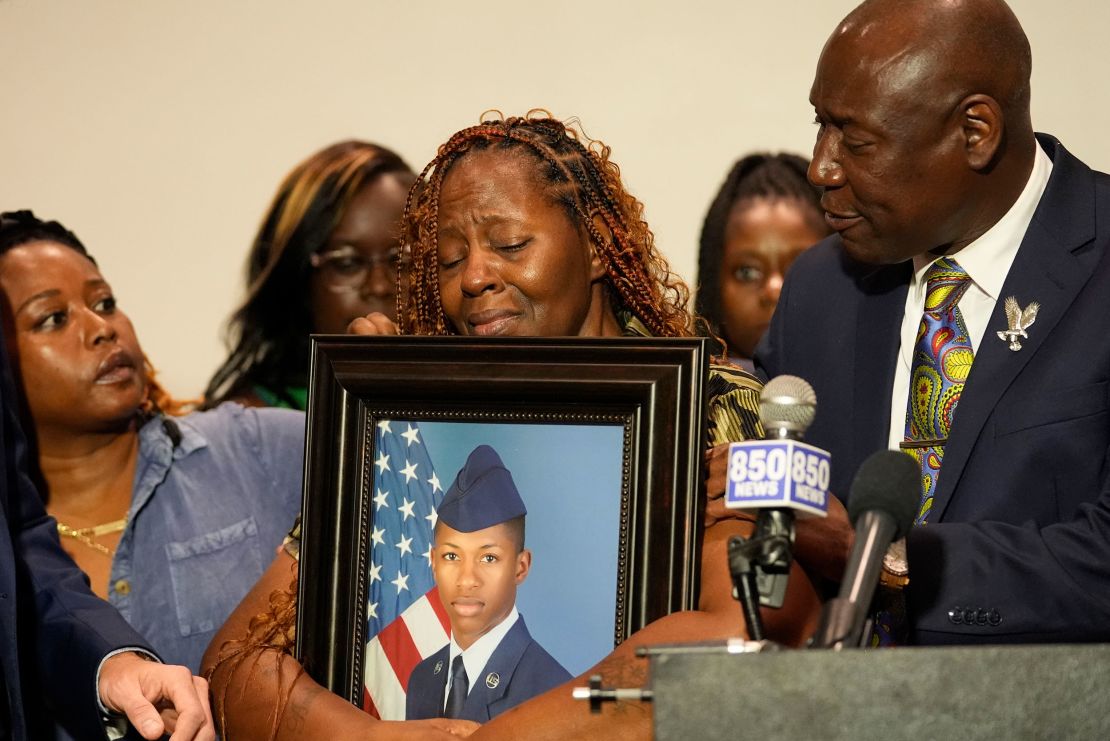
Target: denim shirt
[{"x": 213, "y": 497}]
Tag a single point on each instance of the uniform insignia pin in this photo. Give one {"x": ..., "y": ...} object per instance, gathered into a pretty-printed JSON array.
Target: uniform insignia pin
[
  {"x": 1019, "y": 320},
  {"x": 439, "y": 667},
  {"x": 492, "y": 680}
]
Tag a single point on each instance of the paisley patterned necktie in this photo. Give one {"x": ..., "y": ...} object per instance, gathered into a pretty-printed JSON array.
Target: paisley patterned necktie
[{"x": 942, "y": 357}]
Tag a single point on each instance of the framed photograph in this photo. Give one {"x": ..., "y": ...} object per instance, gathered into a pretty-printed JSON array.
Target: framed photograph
[{"x": 601, "y": 438}]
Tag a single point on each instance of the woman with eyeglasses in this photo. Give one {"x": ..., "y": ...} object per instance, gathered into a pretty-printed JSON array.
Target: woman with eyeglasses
[{"x": 325, "y": 254}]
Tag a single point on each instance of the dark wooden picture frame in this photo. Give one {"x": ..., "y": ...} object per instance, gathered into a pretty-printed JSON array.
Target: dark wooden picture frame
[{"x": 655, "y": 388}]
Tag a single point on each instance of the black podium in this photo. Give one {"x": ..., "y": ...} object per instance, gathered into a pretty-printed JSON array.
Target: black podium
[{"x": 998, "y": 693}]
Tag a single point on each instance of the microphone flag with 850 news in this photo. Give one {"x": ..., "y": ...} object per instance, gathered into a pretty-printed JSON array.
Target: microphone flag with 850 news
[
  {"x": 779, "y": 476},
  {"x": 882, "y": 503}
]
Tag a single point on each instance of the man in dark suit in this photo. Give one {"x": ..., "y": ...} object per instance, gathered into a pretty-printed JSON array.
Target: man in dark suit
[
  {"x": 60, "y": 645},
  {"x": 926, "y": 151},
  {"x": 492, "y": 662}
]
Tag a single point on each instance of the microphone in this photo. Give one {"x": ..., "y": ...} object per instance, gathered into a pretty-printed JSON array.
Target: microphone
[
  {"x": 882, "y": 502},
  {"x": 779, "y": 476},
  {"x": 787, "y": 407}
]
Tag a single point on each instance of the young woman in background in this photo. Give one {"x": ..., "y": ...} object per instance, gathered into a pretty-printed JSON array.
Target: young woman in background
[
  {"x": 326, "y": 253},
  {"x": 765, "y": 214}
]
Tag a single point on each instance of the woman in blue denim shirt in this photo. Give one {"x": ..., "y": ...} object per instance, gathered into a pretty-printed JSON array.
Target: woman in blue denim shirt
[{"x": 173, "y": 518}]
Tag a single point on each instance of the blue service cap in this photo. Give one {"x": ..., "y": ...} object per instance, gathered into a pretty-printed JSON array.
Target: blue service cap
[{"x": 482, "y": 495}]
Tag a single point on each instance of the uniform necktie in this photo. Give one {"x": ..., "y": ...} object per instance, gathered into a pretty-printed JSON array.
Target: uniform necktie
[
  {"x": 942, "y": 357},
  {"x": 456, "y": 695}
]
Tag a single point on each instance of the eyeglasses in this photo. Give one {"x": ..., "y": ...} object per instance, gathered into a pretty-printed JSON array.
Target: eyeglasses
[{"x": 346, "y": 269}]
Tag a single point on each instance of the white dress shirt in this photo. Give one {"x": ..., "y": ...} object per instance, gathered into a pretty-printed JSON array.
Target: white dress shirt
[
  {"x": 478, "y": 655},
  {"x": 987, "y": 260}
]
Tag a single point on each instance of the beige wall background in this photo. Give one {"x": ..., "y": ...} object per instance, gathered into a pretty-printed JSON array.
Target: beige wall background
[{"x": 159, "y": 130}]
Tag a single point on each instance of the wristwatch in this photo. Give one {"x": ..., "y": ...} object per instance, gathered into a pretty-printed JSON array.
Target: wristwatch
[{"x": 896, "y": 569}]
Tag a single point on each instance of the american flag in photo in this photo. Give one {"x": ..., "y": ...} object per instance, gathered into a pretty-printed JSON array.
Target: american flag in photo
[{"x": 406, "y": 621}]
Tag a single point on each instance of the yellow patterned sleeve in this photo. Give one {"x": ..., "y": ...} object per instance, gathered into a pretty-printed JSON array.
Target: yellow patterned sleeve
[
  {"x": 292, "y": 542},
  {"x": 733, "y": 406}
]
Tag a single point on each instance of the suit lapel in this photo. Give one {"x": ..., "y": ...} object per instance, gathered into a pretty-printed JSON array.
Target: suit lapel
[
  {"x": 433, "y": 700},
  {"x": 492, "y": 685},
  {"x": 878, "y": 324},
  {"x": 1045, "y": 270},
  {"x": 9, "y": 649}
]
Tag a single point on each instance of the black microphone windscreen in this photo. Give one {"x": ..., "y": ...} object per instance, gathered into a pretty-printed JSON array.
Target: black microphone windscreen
[{"x": 888, "y": 481}]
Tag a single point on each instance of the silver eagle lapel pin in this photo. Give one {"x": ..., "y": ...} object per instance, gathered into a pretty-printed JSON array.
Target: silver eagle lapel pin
[{"x": 1019, "y": 320}]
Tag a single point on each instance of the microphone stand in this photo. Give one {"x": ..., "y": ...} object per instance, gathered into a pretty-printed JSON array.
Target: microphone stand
[
  {"x": 741, "y": 564},
  {"x": 760, "y": 566}
]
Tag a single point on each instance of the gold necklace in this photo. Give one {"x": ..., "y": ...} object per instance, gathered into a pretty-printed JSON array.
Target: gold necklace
[{"x": 86, "y": 534}]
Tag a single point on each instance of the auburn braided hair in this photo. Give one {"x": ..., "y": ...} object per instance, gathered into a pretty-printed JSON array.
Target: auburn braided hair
[
  {"x": 272, "y": 630},
  {"x": 581, "y": 177}
]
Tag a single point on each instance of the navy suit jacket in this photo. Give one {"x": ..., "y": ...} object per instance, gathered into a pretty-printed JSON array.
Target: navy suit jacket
[
  {"x": 1017, "y": 547},
  {"x": 53, "y": 631},
  {"x": 518, "y": 670}
]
